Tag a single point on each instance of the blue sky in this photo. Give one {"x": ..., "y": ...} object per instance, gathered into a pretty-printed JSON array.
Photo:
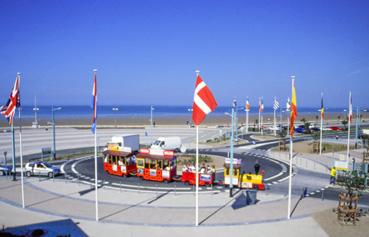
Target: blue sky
[{"x": 147, "y": 51}]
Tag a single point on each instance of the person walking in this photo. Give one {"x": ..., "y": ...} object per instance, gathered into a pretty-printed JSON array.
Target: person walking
[
  {"x": 333, "y": 175},
  {"x": 257, "y": 167}
]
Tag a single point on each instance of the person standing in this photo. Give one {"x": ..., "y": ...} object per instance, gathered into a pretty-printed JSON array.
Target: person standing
[{"x": 257, "y": 167}]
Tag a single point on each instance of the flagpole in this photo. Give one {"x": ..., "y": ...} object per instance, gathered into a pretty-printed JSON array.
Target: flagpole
[
  {"x": 20, "y": 144},
  {"x": 349, "y": 129},
  {"x": 321, "y": 129},
  {"x": 259, "y": 115},
  {"x": 197, "y": 171},
  {"x": 293, "y": 110},
  {"x": 95, "y": 138},
  {"x": 247, "y": 120},
  {"x": 197, "y": 175},
  {"x": 290, "y": 181},
  {"x": 275, "y": 122},
  {"x": 13, "y": 151}
]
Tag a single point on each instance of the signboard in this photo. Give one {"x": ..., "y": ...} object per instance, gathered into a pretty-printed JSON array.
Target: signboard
[
  {"x": 115, "y": 168},
  {"x": 341, "y": 165},
  {"x": 123, "y": 169},
  {"x": 152, "y": 172},
  {"x": 205, "y": 177},
  {"x": 235, "y": 161},
  {"x": 140, "y": 171},
  {"x": 246, "y": 185},
  {"x": 166, "y": 174}
]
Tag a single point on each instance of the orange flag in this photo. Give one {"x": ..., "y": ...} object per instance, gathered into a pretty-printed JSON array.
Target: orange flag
[{"x": 293, "y": 108}]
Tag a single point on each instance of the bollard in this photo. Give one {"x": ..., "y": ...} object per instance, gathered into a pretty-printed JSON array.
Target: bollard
[
  {"x": 39, "y": 177},
  {"x": 53, "y": 176}
]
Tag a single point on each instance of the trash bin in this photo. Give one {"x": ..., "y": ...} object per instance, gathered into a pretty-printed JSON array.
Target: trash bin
[{"x": 250, "y": 197}]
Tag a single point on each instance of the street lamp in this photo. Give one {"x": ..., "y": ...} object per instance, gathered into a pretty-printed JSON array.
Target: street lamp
[
  {"x": 53, "y": 124},
  {"x": 151, "y": 116},
  {"x": 35, "y": 123},
  {"x": 115, "y": 109}
]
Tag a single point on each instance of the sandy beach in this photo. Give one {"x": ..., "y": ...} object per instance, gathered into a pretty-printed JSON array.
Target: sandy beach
[{"x": 211, "y": 120}]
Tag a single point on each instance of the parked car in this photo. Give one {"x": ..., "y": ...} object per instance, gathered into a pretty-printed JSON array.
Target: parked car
[
  {"x": 41, "y": 168},
  {"x": 5, "y": 169}
]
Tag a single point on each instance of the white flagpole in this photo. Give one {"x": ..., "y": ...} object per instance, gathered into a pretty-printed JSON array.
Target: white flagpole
[
  {"x": 349, "y": 129},
  {"x": 321, "y": 130},
  {"x": 290, "y": 168},
  {"x": 247, "y": 121},
  {"x": 197, "y": 175},
  {"x": 96, "y": 196},
  {"x": 20, "y": 147},
  {"x": 290, "y": 180},
  {"x": 197, "y": 171},
  {"x": 259, "y": 116},
  {"x": 275, "y": 122}
]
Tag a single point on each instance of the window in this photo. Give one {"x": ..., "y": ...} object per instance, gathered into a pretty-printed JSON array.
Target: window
[
  {"x": 147, "y": 163},
  {"x": 227, "y": 171},
  {"x": 160, "y": 164},
  {"x": 140, "y": 162},
  {"x": 153, "y": 164}
]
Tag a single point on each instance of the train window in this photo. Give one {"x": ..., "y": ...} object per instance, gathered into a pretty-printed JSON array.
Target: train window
[
  {"x": 140, "y": 162},
  {"x": 160, "y": 164},
  {"x": 147, "y": 163},
  {"x": 227, "y": 171},
  {"x": 165, "y": 164},
  {"x": 153, "y": 164}
]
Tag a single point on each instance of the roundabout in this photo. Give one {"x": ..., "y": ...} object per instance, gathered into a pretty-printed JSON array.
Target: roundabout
[{"x": 82, "y": 170}]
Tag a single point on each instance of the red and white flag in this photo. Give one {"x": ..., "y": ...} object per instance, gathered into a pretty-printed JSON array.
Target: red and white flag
[
  {"x": 8, "y": 110},
  {"x": 350, "y": 108},
  {"x": 203, "y": 102}
]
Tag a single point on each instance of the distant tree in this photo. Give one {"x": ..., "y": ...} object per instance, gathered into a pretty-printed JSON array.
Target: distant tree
[{"x": 339, "y": 118}]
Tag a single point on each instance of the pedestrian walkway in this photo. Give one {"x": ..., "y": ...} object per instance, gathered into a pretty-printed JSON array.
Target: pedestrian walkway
[{"x": 64, "y": 199}]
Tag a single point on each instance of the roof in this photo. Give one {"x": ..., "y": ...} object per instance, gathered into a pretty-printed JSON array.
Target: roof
[
  {"x": 118, "y": 153},
  {"x": 155, "y": 157}
]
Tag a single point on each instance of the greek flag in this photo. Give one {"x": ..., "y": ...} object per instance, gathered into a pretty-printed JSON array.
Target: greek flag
[{"x": 276, "y": 104}]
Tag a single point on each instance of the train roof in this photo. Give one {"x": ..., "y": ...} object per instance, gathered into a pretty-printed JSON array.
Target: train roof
[{"x": 118, "y": 153}]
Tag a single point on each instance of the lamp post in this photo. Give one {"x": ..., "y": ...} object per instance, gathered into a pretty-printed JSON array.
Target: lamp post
[
  {"x": 151, "y": 116},
  {"x": 35, "y": 123},
  {"x": 115, "y": 109},
  {"x": 53, "y": 124}
]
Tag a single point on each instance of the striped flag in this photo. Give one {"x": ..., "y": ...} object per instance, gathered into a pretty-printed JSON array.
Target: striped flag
[
  {"x": 8, "y": 110},
  {"x": 247, "y": 106},
  {"x": 322, "y": 107},
  {"x": 94, "y": 104},
  {"x": 350, "y": 108},
  {"x": 293, "y": 108},
  {"x": 261, "y": 105},
  {"x": 288, "y": 104},
  {"x": 276, "y": 104},
  {"x": 203, "y": 102}
]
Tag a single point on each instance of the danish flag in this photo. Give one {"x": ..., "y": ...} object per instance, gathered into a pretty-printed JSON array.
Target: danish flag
[
  {"x": 203, "y": 102},
  {"x": 8, "y": 110}
]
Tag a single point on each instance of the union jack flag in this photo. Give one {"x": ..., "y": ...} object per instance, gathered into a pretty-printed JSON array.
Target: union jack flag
[{"x": 8, "y": 110}]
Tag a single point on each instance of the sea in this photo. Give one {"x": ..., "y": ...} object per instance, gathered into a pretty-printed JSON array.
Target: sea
[{"x": 106, "y": 111}]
